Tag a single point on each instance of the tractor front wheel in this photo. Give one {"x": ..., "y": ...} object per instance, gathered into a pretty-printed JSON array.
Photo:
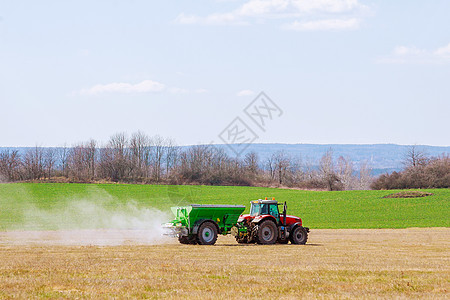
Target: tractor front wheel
[
  {"x": 267, "y": 233},
  {"x": 207, "y": 234},
  {"x": 299, "y": 236}
]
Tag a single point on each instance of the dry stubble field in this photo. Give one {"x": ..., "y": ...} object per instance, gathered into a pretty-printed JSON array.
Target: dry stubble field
[{"x": 347, "y": 263}]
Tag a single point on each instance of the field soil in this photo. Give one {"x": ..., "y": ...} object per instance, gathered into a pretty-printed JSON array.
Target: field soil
[
  {"x": 83, "y": 237},
  {"x": 335, "y": 263}
]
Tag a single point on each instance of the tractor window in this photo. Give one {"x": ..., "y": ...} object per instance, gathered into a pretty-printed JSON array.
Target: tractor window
[
  {"x": 254, "y": 211},
  {"x": 274, "y": 210},
  {"x": 264, "y": 209}
]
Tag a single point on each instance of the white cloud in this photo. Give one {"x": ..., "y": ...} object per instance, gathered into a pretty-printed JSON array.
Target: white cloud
[
  {"x": 443, "y": 51},
  {"x": 327, "y": 5},
  {"x": 187, "y": 19},
  {"x": 299, "y": 7},
  {"x": 402, "y": 50},
  {"x": 414, "y": 55},
  {"x": 175, "y": 90},
  {"x": 348, "y": 11},
  {"x": 213, "y": 19},
  {"x": 262, "y": 7},
  {"x": 245, "y": 93},
  {"x": 330, "y": 24},
  {"x": 146, "y": 86}
]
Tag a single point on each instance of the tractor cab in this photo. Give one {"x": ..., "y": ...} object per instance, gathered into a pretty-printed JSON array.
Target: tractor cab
[
  {"x": 261, "y": 209},
  {"x": 265, "y": 207}
]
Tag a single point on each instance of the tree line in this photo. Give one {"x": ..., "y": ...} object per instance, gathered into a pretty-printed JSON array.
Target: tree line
[
  {"x": 421, "y": 171},
  {"x": 144, "y": 159}
]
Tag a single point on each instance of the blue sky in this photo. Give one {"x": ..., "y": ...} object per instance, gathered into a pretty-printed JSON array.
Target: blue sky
[{"x": 342, "y": 71}]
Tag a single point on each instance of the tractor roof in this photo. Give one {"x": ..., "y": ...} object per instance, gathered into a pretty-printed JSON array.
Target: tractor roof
[{"x": 260, "y": 201}]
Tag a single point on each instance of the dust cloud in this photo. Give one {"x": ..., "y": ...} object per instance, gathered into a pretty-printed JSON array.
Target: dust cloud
[{"x": 98, "y": 219}]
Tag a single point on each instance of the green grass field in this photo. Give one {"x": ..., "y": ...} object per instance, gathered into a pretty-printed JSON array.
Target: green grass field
[{"x": 346, "y": 209}]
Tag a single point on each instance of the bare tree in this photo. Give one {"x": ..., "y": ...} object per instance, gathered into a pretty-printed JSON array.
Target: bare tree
[
  {"x": 251, "y": 165},
  {"x": 10, "y": 164},
  {"x": 328, "y": 173},
  {"x": 114, "y": 158},
  {"x": 49, "y": 161},
  {"x": 345, "y": 173},
  {"x": 365, "y": 175},
  {"x": 271, "y": 167},
  {"x": 172, "y": 156},
  {"x": 309, "y": 170},
  {"x": 415, "y": 157},
  {"x": 251, "y": 160},
  {"x": 282, "y": 167},
  {"x": 225, "y": 170},
  {"x": 82, "y": 160},
  {"x": 194, "y": 163},
  {"x": 235, "y": 172},
  {"x": 33, "y": 163},
  {"x": 282, "y": 164},
  {"x": 140, "y": 153},
  {"x": 158, "y": 147},
  {"x": 62, "y": 154},
  {"x": 90, "y": 155},
  {"x": 297, "y": 175},
  {"x": 76, "y": 165}
]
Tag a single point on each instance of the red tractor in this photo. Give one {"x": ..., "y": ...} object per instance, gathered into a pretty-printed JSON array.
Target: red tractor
[{"x": 266, "y": 225}]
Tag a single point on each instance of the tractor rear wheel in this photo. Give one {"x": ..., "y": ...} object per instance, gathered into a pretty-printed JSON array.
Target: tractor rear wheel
[
  {"x": 207, "y": 234},
  {"x": 299, "y": 236},
  {"x": 267, "y": 233}
]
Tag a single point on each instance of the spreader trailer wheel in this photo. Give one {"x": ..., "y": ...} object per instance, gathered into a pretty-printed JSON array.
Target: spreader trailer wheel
[
  {"x": 188, "y": 240},
  {"x": 207, "y": 234}
]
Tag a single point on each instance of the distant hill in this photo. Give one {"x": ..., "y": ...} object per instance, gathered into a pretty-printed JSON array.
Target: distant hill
[{"x": 382, "y": 157}]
